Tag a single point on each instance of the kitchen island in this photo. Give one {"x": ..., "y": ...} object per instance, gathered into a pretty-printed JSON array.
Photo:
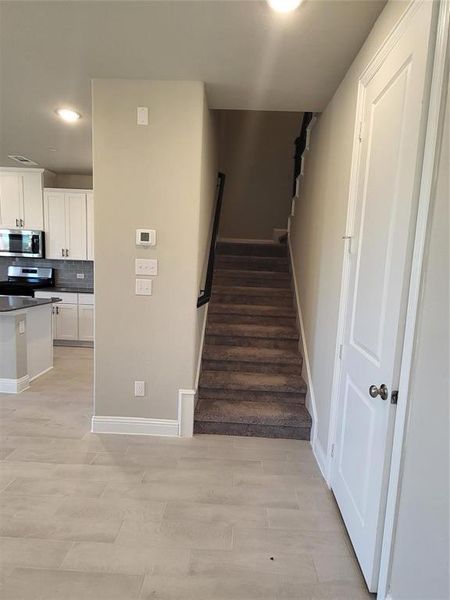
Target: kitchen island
[{"x": 26, "y": 341}]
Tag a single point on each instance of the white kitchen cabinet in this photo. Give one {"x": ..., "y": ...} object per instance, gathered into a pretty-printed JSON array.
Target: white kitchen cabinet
[
  {"x": 73, "y": 317},
  {"x": 65, "y": 322},
  {"x": 65, "y": 224},
  {"x": 90, "y": 225},
  {"x": 21, "y": 199},
  {"x": 86, "y": 322}
]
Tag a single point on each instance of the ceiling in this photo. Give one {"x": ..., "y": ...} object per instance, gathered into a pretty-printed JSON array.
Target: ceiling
[{"x": 249, "y": 57}]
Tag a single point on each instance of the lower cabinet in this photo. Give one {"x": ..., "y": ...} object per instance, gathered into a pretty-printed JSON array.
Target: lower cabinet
[
  {"x": 73, "y": 317},
  {"x": 65, "y": 321}
]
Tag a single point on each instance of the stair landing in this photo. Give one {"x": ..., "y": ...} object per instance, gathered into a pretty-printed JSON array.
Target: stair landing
[{"x": 251, "y": 381}]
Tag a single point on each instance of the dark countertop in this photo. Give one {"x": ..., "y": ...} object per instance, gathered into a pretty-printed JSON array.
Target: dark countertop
[
  {"x": 10, "y": 303},
  {"x": 72, "y": 290}
]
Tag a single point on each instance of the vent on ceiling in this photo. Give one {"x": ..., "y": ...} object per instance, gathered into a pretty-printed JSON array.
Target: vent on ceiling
[{"x": 22, "y": 159}]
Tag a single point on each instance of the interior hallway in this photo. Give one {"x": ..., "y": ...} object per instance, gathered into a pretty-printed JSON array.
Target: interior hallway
[{"x": 95, "y": 517}]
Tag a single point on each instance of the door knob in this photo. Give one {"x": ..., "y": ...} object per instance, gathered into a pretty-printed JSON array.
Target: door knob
[{"x": 382, "y": 391}]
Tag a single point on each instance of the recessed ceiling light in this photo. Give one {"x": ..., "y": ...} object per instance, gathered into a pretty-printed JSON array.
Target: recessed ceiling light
[
  {"x": 68, "y": 115},
  {"x": 284, "y": 6}
]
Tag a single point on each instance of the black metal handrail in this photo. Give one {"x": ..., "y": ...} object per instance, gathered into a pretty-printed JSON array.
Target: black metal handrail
[
  {"x": 205, "y": 295},
  {"x": 300, "y": 145}
]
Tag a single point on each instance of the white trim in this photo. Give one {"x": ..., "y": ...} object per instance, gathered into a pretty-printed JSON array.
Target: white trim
[
  {"x": 14, "y": 386},
  {"x": 316, "y": 447},
  {"x": 244, "y": 241},
  {"x": 186, "y": 406},
  {"x": 278, "y": 232},
  {"x": 41, "y": 373},
  {"x": 75, "y": 190},
  {"x": 433, "y": 141},
  {"x": 22, "y": 169},
  {"x": 200, "y": 349},
  {"x": 134, "y": 426}
]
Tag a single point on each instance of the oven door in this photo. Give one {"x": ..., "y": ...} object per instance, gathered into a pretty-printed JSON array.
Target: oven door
[{"x": 22, "y": 242}]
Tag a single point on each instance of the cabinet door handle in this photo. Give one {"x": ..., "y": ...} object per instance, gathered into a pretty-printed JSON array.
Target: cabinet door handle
[
  {"x": 67, "y": 252},
  {"x": 62, "y": 251},
  {"x": 17, "y": 222},
  {"x": 22, "y": 222},
  {"x": 57, "y": 310}
]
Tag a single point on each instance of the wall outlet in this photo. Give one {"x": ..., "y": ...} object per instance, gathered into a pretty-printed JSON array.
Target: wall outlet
[
  {"x": 143, "y": 287},
  {"x": 80, "y": 275},
  {"x": 21, "y": 326},
  {"x": 142, "y": 115},
  {"x": 146, "y": 266},
  {"x": 139, "y": 389}
]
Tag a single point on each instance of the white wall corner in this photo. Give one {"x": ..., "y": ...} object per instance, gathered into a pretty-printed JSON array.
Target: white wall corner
[
  {"x": 134, "y": 426},
  {"x": 186, "y": 406},
  {"x": 14, "y": 386}
]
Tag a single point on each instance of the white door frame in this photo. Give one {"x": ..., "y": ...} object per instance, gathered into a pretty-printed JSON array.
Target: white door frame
[{"x": 431, "y": 151}]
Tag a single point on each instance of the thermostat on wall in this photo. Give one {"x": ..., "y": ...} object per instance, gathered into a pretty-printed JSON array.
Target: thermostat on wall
[{"x": 145, "y": 237}]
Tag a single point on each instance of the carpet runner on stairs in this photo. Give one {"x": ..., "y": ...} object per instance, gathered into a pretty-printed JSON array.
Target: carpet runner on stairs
[{"x": 251, "y": 381}]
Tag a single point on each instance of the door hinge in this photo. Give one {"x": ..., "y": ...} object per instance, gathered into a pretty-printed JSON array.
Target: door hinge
[
  {"x": 360, "y": 137},
  {"x": 341, "y": 350},
  {"x": 394, "y": 397},
  {"x": 332, "y": 450}
]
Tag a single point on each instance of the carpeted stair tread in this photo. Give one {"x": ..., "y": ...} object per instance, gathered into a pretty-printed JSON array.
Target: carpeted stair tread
[
  {"x": 261, "y": 310},
  {"x": 244, "y": 249},
  {"x": 270, "y": 414},
  {"x": 280, "y": 332},
  {"x": 264, "y": 382},
  {"x": 242, "y": 290},
  {"x": 265, "y": 275},
  {"x": 250, "y": 355}
]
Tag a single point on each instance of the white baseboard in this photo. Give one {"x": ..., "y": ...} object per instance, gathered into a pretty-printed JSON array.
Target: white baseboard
[
  {"x": 134, "y": 426},
  {"x": 186, "y": 407},
  {"x": 41, "y": 373},
  {"x": 200, "y": 348},
  {"x": 321, "y": 457},
  {"x": 14, "y": 386}
]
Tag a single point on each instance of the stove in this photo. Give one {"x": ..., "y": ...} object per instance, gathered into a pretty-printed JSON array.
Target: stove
[{"x": 23, "y": 281}]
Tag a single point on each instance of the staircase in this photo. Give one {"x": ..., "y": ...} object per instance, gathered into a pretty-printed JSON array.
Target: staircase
[{"x": 251, "y": 381}]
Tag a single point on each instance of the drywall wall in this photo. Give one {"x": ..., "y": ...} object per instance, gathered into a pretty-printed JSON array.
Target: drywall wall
[
  {"x": 320, "y": 220},
  {"x": 73, "y": 181},
  {"x": 206, "y": 207},
  {"x": 146, "y": 176},
  {"x": 420, "y": 567},
  {"x": 256, "y": 153}
]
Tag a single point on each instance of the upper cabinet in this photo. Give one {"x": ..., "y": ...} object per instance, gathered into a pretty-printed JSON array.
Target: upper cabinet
[
  {"x": 21, "y": 199},
  {"x": 68, "y": 226}
]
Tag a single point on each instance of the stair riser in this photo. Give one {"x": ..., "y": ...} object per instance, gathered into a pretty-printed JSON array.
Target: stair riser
[
  {"x": 266, "y": 431},
  {"x": 249, "y": 299},
  {"x": 252, "y": 264},
  {"x": 252, "y": 310},
  {"x": 251, "y": 367},
  {"x": 251, "y": 342},
  {"x": 251, "y": 320},
  {"x": 230, "y": 249},
  {"x": 250, "y": 396},
  {"x": 252, "y": 281}
]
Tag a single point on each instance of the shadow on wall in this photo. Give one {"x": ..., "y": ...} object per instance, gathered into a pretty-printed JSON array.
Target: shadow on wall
[{"x": 256, "y": 151}]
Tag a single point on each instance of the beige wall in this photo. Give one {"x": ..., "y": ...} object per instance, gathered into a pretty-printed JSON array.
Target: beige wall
[
  {"x": 73, "y": 181},
  {"x": 256, "y": 154},
  {"x": 147, "y": 177},
  {"x": 420, "y": 566},
  {"x": 320, "y": 222}
]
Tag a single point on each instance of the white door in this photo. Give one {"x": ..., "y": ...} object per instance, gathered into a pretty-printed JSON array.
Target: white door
[
  {"x": 11, "y": 200},
  {"x": 76, "y": 226},
  {"x": 55, "y": 225},
  {"x": 66, "y": 322},
  {"x": 380, "y": 256},
  {"x": 90, "y": 225}
]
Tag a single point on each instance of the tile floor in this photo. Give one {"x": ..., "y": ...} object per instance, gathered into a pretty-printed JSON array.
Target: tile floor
[{"x": 90, "y": 517}]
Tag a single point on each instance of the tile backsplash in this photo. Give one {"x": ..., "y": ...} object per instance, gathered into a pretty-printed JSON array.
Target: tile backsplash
[{"x": 65, "y": 270}]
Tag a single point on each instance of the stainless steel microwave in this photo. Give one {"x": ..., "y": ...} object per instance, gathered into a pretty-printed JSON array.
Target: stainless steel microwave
[{"x": 22, "y": 242}]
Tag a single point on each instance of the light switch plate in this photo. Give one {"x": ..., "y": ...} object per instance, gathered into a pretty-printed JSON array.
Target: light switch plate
[
  {"x": 139, "y": 389},
  {"x": 146, "y": 266},
  {"x": 143, "y": 287},
  {"x": 142, "y": 115}
]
